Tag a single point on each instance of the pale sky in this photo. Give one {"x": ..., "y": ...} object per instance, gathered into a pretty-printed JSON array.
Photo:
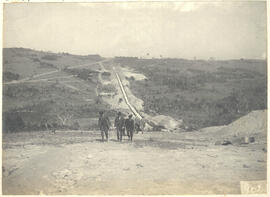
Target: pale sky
[{"x": 224, "y": 30}]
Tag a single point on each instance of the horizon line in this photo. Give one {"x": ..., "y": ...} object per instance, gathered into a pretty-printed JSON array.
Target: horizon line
[{"x": 211, "y": 58}]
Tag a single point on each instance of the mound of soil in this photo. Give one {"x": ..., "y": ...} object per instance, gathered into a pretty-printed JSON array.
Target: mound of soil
[
  {"x": 250, "y": 125},
  {"x": 165, "y": 122}
]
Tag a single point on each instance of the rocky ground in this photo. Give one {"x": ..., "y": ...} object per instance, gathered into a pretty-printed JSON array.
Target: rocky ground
[{"x": 74, "y": 162}]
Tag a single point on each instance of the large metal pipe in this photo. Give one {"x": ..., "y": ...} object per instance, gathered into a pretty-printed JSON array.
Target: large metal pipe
[{"x": 133, "y": 110}]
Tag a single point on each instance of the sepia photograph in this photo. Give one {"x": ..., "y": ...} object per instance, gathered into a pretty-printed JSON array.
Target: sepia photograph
[{"x": 134, "y": 98}]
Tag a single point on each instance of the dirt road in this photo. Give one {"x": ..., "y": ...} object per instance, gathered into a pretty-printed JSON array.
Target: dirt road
[{"x": 73, "y": 162}]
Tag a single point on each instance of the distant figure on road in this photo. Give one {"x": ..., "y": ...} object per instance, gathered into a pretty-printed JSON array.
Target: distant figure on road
[
  {"x": 129, "y": 123},
  {"x": 119, "y": 123},
  {"x": 104, "y": 125}
]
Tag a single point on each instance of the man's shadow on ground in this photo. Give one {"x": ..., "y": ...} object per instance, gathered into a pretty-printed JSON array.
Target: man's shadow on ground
[{"x": 113, "y": 140}]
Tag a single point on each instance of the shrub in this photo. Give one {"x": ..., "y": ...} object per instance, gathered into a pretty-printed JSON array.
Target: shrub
[
  {"x": 48, "y": 65},
  {"x": 50, "y": 57},
  {"x": 12, "y": 122},
  {"x": 9, "y": 76}
]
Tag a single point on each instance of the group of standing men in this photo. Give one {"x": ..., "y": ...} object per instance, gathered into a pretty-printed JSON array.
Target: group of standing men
[{"x": 120, "y": 123}]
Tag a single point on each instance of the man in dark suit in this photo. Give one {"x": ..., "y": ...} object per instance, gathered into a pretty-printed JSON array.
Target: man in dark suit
[
  {"x": 104, "y": 125},
  {"x": 119, "y": 123},
  {"x": 130, "y": 127}
]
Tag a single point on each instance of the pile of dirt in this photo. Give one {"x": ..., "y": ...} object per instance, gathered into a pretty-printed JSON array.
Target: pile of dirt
[
  {"x": 253, "y": 124},
  {"x": 129, "y": 73},
  {"x": 165, "y": 122}
]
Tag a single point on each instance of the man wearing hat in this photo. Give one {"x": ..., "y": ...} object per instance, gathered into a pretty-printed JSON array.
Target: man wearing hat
[
  {"x": 119, "y": 123},
  {"x": 130, "y": 127},
  {"x": 104, "y": 125}
]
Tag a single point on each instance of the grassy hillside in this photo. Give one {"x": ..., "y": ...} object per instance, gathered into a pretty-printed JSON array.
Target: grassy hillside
[
  {"x": 202, "y": 93},
  {"x": 64, "y": 94}
]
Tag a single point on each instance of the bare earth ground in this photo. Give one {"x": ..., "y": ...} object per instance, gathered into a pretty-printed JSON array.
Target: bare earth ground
[{"x": 74, "y": 162}]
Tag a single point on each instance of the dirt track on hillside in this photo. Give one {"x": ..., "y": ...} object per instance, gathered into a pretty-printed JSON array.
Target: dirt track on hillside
[{"x": 72, "y": 162}]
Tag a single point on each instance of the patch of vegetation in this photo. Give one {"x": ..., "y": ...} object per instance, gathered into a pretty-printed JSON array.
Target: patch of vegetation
[
  {"x": 51, "y": 57},
  {"x": 9, "y": 76},
  {"x": 12, "y": 122},
  {"x": 106, "y": 76},
  {"x": 48, "y": 65},
  {"x": 85, "y": 74},
  {"x": 107, "y": 88},
  {"x": 95, "y": 57},
  {"x": 55, "y": 110}
]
